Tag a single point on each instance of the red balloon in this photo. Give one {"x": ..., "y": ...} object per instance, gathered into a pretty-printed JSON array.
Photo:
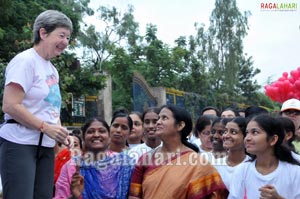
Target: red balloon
[
  {"x": 285, "y": 87},
  {"x": 271, "y": 92},
  {"x": 275, "y": 84},
  {"x": 282, "y": 79},
  {"x": 297, "y": 85},
  {"x": 295, "y": 74},
  {"x": 291, "y": 79},
  {"x": 291, "y": 95}
]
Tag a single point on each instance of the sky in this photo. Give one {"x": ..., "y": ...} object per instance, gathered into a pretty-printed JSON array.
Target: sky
[{"x": 273, "y": 38}]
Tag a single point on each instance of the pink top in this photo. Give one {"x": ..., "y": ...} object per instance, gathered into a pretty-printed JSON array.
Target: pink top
[{"x": 62, "y": 186}]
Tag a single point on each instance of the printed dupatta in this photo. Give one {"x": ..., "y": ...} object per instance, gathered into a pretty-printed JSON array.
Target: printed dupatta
[{"x": 108, "y": 178}]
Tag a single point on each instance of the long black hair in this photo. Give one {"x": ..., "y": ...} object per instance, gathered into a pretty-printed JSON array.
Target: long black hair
[
  {"x": 288, "y": 126},
  {"x": 181, "y": 115},
  {"x": 272, "y": 127}
]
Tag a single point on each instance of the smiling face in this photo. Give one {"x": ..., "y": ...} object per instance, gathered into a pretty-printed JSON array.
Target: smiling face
[
  {"x": 233, "y": 138},
  {"x": 119, "y": 131},
  {"x": 217, "y": 131},
  {"x": 256, "y": 141},
  {"x": 54, "y": 43},
  {"x": 150, "y": 120},
  {"x": 96, "y": 137}
]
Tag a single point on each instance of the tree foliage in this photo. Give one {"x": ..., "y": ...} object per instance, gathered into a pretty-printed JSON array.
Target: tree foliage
[
  {"x": 231, "y": 72},
  {"x": 210, "y": 63}
]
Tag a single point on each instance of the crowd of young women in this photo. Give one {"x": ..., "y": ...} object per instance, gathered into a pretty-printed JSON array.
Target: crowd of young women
[
  {"x": 109, "y": 168},
  {"x": 239, "y": 158}
]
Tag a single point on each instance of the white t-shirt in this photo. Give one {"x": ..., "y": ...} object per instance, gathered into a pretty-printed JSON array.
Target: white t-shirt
[
  {"x": 246, "y": 181},
  {"x": 196, "y": 142},
  {"x": 226, "y": 171},
  {"x": 138, "y": 151},
  {"x": 133, "y": 145},
  {"x": 39, "y": 80},
  {"x": 296, "y": 156},
  {"x": 192, "y": 138}
]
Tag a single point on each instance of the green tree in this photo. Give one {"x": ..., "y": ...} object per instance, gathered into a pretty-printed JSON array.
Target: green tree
[
  {"x": 194, "y": 77},
  {"x": 121, "y": 80},
  {"x": 247, "y": 87},
  {"x": 158, "y": 69},
  {"x": 228, "y": 27},
  {"x": 113, "y": 49}
]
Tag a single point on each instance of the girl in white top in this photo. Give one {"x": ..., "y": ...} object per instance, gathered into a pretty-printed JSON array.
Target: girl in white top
[
  {"x": 149, "y": 118},
  {"x": 233, "y": 142},
  {"x": 136, "y": 135},
  {"x": 272, "y": 172}
]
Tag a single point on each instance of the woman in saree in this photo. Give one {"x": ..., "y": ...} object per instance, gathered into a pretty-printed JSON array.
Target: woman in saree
[
  {"x": 175, "y": 170},
  {"x": 97, "y": 173}
]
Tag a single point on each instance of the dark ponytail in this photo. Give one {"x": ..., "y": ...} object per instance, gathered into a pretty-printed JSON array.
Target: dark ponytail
[{"x": 181, "y": 115}]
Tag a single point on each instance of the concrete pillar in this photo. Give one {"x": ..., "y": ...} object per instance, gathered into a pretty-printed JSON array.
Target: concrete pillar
[{"x": 105, "y": 100}]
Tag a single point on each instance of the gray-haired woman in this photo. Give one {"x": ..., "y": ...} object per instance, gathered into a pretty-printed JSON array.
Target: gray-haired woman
[{"x": 31, "y": 103}]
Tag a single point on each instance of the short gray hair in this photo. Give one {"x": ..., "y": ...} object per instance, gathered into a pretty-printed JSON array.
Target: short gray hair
[{"x": 50, "y": 20}]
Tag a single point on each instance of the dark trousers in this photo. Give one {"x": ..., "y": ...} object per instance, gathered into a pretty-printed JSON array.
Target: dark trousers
[{"x": 26, "y": 171}]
